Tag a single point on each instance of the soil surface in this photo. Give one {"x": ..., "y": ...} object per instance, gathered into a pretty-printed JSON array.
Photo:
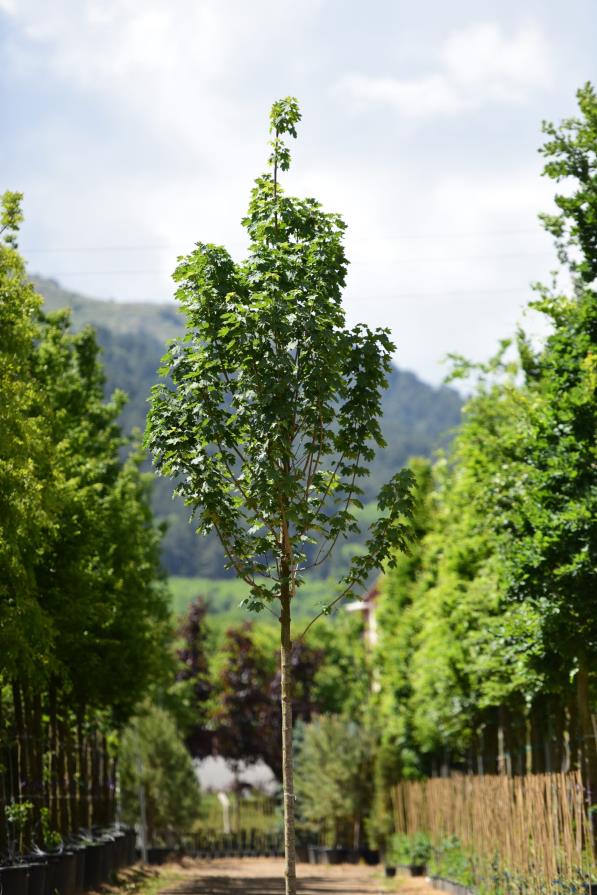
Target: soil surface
[{"x": 264, "y": 876}]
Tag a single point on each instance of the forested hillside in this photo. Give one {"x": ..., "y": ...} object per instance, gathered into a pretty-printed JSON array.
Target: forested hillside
[{"x": 417, "y": 417}]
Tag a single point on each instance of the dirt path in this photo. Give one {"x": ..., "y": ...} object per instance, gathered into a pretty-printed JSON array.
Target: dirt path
[{"x": 263, "y": 876}]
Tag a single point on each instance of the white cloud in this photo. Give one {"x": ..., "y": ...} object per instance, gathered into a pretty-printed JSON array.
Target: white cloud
[
  {"x": 449, "y": 273},
  {"x": 146, "y": 122},
  {"x": 478, "y": 64}
]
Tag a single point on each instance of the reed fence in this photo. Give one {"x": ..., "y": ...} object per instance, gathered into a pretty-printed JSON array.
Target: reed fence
[{"x": 534, "y": 832}]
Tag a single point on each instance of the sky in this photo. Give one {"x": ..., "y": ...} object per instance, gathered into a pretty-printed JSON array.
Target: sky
[{"x": 136, "y": 128}]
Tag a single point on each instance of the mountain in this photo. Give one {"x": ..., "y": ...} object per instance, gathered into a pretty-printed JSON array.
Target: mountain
[{"x": 417, "y": 418}]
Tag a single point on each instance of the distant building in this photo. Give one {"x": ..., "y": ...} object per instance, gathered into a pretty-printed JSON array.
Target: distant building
[{"x": 368, "y": 606}]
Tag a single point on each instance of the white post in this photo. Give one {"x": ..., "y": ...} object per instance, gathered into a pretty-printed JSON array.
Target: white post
[{"x": 225, "y": 803}]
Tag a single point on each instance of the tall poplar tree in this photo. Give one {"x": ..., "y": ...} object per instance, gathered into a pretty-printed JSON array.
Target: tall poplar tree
[{"x": 272, "y": 414}]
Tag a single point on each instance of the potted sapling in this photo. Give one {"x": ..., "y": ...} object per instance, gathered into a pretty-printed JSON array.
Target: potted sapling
[
  {"x": 14, "y": 874},
  {"x": 420, "y": 852}
]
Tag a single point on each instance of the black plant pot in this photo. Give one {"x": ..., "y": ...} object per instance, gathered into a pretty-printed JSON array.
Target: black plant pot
[
  {"x": 37, "y": 878},
  {"x": 79, "y": 852},
  {"x": 120, "y": 845},
  {"x": 65, "y": 873},
  {"x": 390, "y": 871},
  {"x": 131, "y": 840},
  {"x": 160, "y": 855},
  {"x": 14, "y": 880},
  {"x": 92, "y": 874},
  {"x": 302, "y": 853},
  {"x": 370, "y": 856},
  {"x": 52, "y": 862},
  {"x": 417, "y": 869},
  {"x": 107, "y": 860},
  {"x": 331, "y": 855}
]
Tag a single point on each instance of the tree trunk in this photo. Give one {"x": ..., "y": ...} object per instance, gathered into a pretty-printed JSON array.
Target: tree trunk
[
  {"x": 587, "y": 739},
  {"x": 66, "y": 822},
  {"x": 4, "y": 764},
  {"x": 38, "y": 756},
  {"x": 95, "y": 804},
  {"x": 71, "y": 766},
  {"x": 287, "y": 770},
  {"x": 83, "y": 805},
  {"x": 21, "y": 759},
  {"x": 52, "y": 756}
]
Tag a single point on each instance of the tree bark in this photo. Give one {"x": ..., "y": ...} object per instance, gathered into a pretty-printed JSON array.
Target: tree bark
[
  {"x": 4, "y": 783},
  {"x": 287, "y": 769},
  {"x": 83, "y": 789},
  {"x": 587, "y": 738},
  {"x": 22, "y": 773},
  {"x": 53, "y": 757},
  {"x": 38, "y": 756},
  {"x": 66, "y": 821},
  {"x": 71, "y": 767},
  {"x": 94, "y": 763}
]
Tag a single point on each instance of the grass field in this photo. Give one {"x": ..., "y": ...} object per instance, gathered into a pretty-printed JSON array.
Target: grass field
[{"x": 223, "y": 596}]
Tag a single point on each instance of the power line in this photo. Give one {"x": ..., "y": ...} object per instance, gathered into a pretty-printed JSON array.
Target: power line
[
  {"x": 168, "y": 247},
  {"x": 422, "y": 258},
  {"x": 74, "y": 249}
]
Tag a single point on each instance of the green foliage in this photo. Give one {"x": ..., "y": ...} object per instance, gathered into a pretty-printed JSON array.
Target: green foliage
[
  {"x": 50, "y": 838},
  {"x": 388, "y": 768},
  {"x": 83, "y": 608},
  {"x": 417, "y": 418},
  {"x": 272, "y": 415},
  {"x": 333, "y": 778},
  {"x": 99, "y": 582},
  {"x": 154, "y": 756},
  {"x": 343, "y": 681},
  {"x": 26, "y": 492},
  {"x": 494, "y": 611},
  {"x": 450, "y": 861},
  {"x": 420, "y": 849},
  {"x": 11, "y": 217},
  {"x": 571, "y": 157},
  {"x": 18, "y": 814}
]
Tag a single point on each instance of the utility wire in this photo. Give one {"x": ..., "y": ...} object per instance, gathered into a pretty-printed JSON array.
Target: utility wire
[
  {"x": 420, "y": 258},
  {"x": 142, "y": 248}
]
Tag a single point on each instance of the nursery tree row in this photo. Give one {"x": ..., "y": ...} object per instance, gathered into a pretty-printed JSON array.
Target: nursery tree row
[
  {"x": 488, "y": 644},
  {"x": 82, "y": 608}
]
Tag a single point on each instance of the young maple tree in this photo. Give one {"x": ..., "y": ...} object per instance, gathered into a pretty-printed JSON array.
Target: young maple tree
[{"x": 271, "y": 416}]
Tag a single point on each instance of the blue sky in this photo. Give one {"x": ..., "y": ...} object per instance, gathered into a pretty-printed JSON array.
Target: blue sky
[{"x": 136, "y": 128}]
